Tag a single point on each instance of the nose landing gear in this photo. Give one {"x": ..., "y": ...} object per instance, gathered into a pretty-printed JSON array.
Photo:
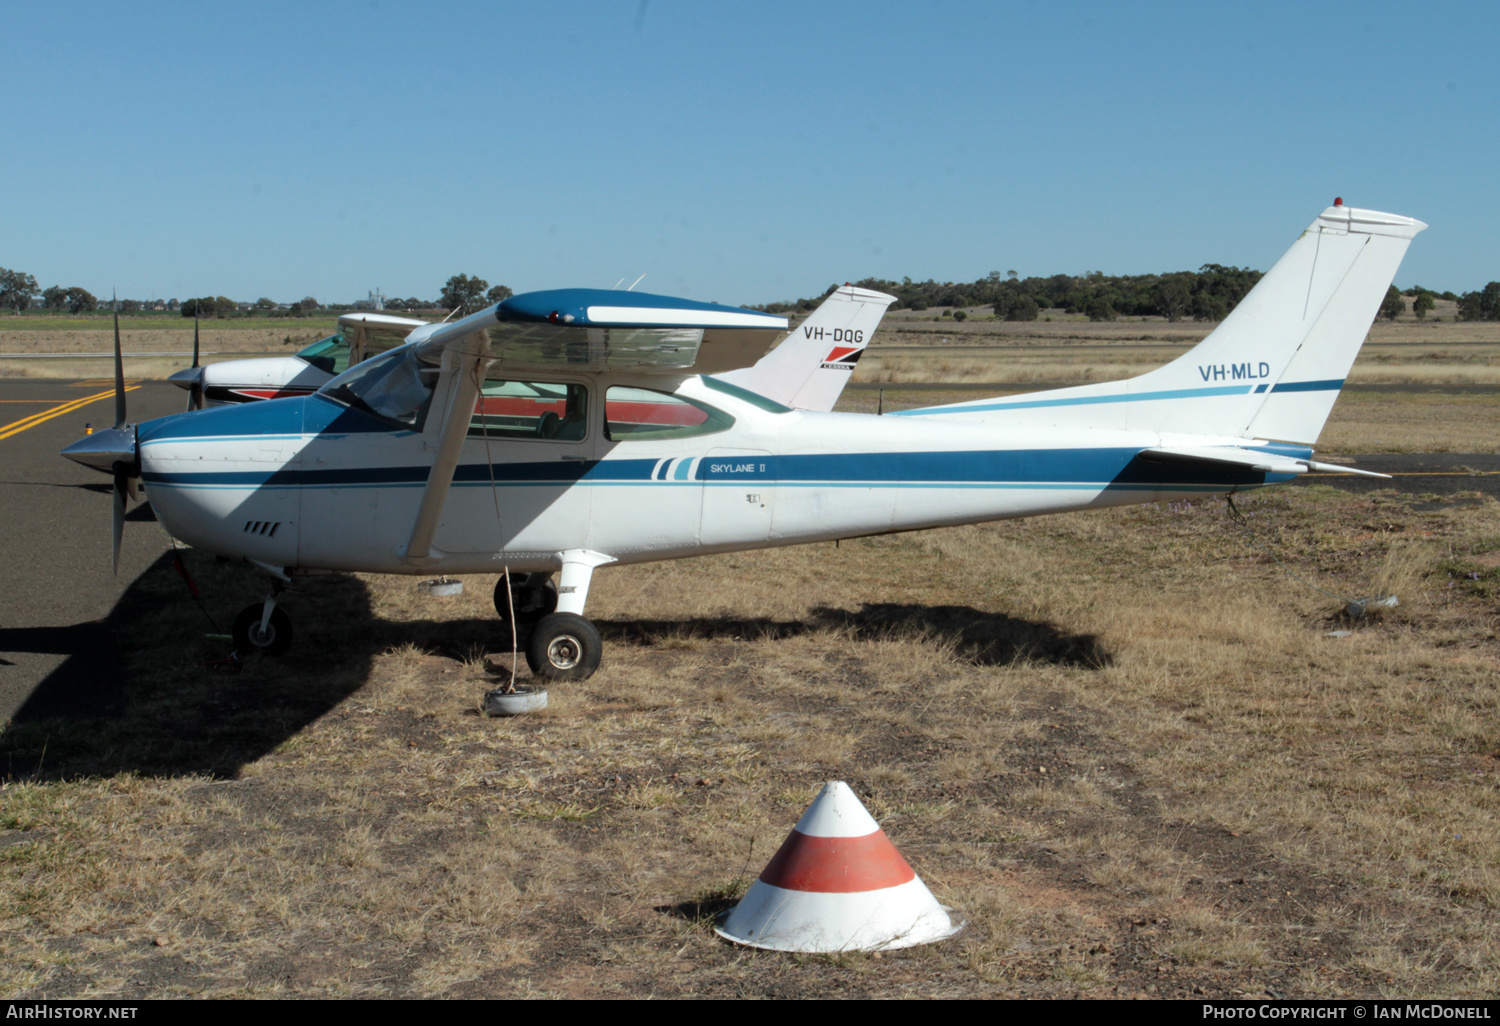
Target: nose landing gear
[
  {"x": 262, "y": 628},
  {"x": 532, "y": 595}
]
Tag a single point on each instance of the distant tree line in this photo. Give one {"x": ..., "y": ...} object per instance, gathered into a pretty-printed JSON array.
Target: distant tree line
[{"x": 1207, "y": 294}]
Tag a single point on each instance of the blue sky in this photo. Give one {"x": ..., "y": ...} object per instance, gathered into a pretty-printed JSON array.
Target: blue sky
[{"x": 742, "y": 153}]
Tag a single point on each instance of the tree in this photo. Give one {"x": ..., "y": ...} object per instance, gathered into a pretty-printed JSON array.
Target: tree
[
  {"x": 1422, "y": 303},
  {"x": 1393, "y": 306},
  {"x": 1173, "y": 297},
  {"x": 16, "y": 290},
  {"x": 130, "y": 306},
  {"x": 463, "y": 293},
  {"x": 55, "y": 298},
  {"x": 1480, "y": 306},
  {"x": 202, "y": 307},
  {"x": 1098, "y": 309},
  {"x": 225, "y": 307},
  {"x": 1022, "y": 308},
  {"x": 81, "y": 300},
  {"x": 265, "y": 304},
  {"x": 1209, "y": 308},
  {"x": 499, "y": 293}
]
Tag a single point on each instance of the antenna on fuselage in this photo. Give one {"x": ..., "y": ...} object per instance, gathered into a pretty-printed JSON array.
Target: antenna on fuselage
[{"x": 634, "y": 283}]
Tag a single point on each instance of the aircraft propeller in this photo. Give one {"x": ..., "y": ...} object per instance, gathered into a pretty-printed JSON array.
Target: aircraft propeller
[
  {"x": 114, "y": 452},
  {"x": 195, "y": 393},
  {"x": 125, "y": 473},
  {"x": 191, "y": 378}
]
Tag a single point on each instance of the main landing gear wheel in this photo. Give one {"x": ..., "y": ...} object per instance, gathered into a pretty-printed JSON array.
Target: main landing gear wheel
[
  {"x": 564, "y": 646},
  {"x": 248, "y": 637},
  {"x": 534, "y": 595}
]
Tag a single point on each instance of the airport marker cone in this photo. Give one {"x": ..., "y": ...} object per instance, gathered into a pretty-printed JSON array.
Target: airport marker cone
[{"x": 837, "y": 884}]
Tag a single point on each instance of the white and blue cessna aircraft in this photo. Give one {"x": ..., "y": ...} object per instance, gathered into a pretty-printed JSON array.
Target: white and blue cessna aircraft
[
  {"x": 231, "y": 382},
  {"x": 559, "y": 432}
]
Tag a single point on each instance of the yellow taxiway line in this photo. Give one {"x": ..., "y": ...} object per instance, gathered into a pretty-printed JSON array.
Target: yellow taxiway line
[{"x": 16, "y": 427}]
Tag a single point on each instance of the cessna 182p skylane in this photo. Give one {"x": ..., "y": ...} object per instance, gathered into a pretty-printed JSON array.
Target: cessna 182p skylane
[{"x": 580, "y": 429}]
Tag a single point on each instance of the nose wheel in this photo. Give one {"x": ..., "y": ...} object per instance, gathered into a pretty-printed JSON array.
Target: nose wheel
[{"x": 259, "y": 629}]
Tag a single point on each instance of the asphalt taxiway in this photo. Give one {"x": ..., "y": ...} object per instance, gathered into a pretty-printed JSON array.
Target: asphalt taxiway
[{"x": 56, "y": 591}]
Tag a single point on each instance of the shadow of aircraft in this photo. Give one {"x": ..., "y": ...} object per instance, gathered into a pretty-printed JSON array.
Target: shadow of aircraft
[
  {"x": 985, "y": 639},
  {"x": 138, "y": 692}
]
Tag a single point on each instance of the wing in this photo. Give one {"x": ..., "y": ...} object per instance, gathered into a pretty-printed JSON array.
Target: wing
[
  {"x": 370, "y": 334},
  {"x": 582, "y": 331},
  {"x": 594, "y": 330}
]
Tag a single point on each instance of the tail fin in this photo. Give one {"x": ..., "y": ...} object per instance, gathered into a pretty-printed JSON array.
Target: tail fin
[
  {"x": 1273, "y": 367},
  {"x": 810, "y": 368}
]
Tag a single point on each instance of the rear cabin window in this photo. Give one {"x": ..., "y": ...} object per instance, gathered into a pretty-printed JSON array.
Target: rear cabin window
[
  {"x": 530, "y": 409},
  {"x": 641, "y": 414}
]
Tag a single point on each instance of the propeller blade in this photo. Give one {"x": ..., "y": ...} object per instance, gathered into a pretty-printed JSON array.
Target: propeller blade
[
  {"x": 119, "y": 377},
  {"x": 195, "y": 393},
  {"x": 122, "y": 479}
]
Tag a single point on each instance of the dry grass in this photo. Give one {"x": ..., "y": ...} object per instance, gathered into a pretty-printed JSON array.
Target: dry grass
[
  {"x": 218, "y": 341},
  {"x": 1119, "y": 743}
]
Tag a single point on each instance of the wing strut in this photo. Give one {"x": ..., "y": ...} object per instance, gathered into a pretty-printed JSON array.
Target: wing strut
[{"x": 450, "y": 448}]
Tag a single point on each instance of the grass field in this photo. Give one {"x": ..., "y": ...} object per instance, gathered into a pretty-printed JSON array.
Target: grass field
[
  {"x": 995, "y": 356},
  {"x": 1122, "y": 744}
]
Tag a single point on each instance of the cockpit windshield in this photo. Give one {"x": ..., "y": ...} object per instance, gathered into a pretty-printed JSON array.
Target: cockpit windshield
[
  {"x": 329, "y": 354},
  {"x": 395, "y": 386}
]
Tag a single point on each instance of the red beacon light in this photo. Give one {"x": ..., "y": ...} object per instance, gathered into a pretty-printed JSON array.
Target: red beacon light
[{"x": 1338, "y": 201}]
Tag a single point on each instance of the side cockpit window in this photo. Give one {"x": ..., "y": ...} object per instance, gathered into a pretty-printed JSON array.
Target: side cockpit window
[
  {"x": 530, "y": 409},
  {"x": 643, "y": 414}
]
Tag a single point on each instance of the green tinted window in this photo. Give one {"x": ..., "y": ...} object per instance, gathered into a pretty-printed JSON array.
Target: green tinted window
[
  {"x": 643, "y": 414},
  {"x": 330, "y": 354}
]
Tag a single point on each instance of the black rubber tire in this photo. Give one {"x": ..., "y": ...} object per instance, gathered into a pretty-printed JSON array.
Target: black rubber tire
[
  {"x": 278, "y": 637},
  {"x": 564, "y": 646},
  {"x": 535, "y": 595}
]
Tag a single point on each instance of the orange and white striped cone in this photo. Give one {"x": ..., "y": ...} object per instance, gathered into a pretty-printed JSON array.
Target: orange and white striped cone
[{"x": 837, "y": 884}]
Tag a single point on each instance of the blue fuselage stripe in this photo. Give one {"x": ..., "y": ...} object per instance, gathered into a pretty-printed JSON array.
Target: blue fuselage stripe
[
  {"x": 1331, "y": 385},
  {"x": 1021, "y": 468}
]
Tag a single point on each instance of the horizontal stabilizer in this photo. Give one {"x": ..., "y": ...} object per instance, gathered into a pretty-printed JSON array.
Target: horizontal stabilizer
[{"x": 1246, "y": 459}]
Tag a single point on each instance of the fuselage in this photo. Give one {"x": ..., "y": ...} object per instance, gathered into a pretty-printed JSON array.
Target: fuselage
[{"x": 312, "y": 483}]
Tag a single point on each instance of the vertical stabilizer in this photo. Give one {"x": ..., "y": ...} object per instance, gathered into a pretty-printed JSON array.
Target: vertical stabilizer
[
  {"x": 1295, "y": 408},
  {"x": 810, "y": 368},
  {"x": 1271, "y": 369}
]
